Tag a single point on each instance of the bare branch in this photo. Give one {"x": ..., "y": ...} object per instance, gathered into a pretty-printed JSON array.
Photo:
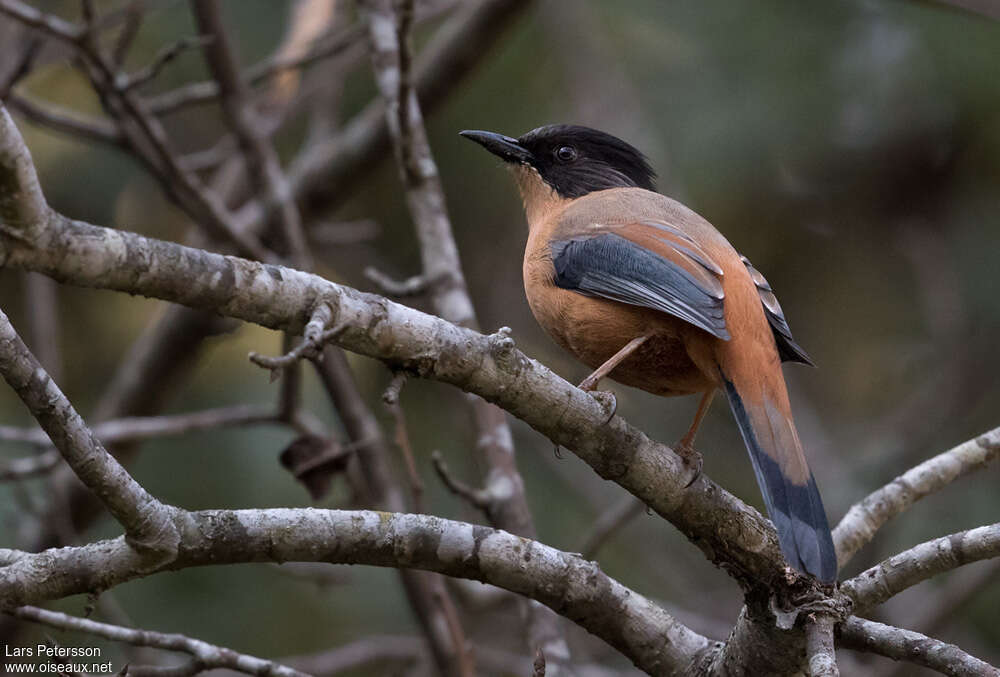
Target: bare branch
[
  {"x": 148, "y": 523},
  {"x": 202, "y": 92},
  {"x": 609, "y": 522},
  {"x": 642, "y": 631},
  {"x": 819, "y": 646},
  {"x": 905, "y": 645},
  {"x": 314, "y": 336},
  {"x": 48, "y": 24},
  {"x": 160, "y": 61},
  {"x": 387, "y": 286},
  {"x": 130, "y": 430},
  {"x": 889, "y": 578},
  {"x": 427, "y": 594},
  {"x": 132, "y": 19},
  {"x": 477, "y": 498},
  {"x": 66, "y": 121},
  {"x": 389, "y": 25},
  {"x": 360, "y": 653},
  {"x": 262, "y": 160},
  {"x": 42, "y": 300},
  {"x": 324, "y": 171},
  {"x": 20, "y": 68},
  {"x": 208, "y": 655},
  {"x": 865, "y": 518}
]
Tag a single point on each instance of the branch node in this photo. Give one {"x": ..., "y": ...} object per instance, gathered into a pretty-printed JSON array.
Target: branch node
[
  {"x": 502, "y": 344},
  {"x": 315, "y": 336}
]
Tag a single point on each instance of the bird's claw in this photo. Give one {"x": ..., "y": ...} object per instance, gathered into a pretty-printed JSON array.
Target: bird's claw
[
  {"x": 692, "y": 461},
  {"x": 608, "y": 401}
]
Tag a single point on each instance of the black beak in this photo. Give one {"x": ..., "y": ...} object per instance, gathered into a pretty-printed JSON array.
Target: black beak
[{"x": 504, "y": 147}]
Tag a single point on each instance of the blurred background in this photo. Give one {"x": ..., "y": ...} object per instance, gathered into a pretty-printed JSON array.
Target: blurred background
[{"x": 851, "y": 150}]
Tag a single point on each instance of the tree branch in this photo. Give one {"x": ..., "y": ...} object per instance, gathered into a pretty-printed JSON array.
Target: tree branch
[
  {"x": 819, "y": 646},
  {"x": 887, "y": 579},
  {"x": 147, "y": 522},
  {"x": 66, "y": 121},
  {"x": 389, "y": 25},
  {"x": 905, "y": 645},
  {"x": 208, "y": 656},
  {"x": 130, "y": 430},
  {"x": 262, "y": 160},
  {"x": 866, "y": 517},
  {"x": 426, "y": 593},
  {"x": 578, "y": 589}
]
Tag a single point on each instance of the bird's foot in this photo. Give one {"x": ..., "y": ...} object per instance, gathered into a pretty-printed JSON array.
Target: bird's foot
[
  {"x": 608, "y": 401},
  {"x": 692, "y": 461},
  {"x": 590, "y": 383}
]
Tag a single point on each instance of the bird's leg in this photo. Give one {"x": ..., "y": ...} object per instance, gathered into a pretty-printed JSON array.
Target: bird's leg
[
  {"x": 589, "y": 384},
  {"x": 685, "y": 447}
]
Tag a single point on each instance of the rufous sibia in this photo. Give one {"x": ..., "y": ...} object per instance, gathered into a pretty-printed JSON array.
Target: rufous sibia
[{"x": 648, "y": 293}]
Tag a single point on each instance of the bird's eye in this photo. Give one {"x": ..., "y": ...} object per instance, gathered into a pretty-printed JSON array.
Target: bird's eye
[{"x": 566, "y": 154}]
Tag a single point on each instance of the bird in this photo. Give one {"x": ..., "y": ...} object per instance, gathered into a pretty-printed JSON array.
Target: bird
[{"x": 646, "y": 292}]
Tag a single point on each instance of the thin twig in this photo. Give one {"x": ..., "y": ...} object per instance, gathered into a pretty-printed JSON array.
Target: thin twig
[
  {"x": 66, "y": 121},
  {"x": 262, "y": 161},
  {"x": 209, "y": 90},
  {"x": 160, "y": 61},
  {"x": 134, "y": 13},
  {"x": 21, "y": 67},
  {"x": 314, "y": 336},
  {"x": 478, "y": 498},
  {"x": 360, "y": 653},
  {"x": 610, "y": 522},
  {"x": 209, "y": 655},
  {"x": 411, "y": 286},
  {"x": 42, "y": 297},
  {"x": 48, "y": 24}
]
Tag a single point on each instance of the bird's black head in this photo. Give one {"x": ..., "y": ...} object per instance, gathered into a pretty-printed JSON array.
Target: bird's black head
[{"x": 572, "y": 160}]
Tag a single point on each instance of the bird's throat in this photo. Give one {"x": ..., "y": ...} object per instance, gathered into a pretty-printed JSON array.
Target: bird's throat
[{"x": 541, "y": 201}]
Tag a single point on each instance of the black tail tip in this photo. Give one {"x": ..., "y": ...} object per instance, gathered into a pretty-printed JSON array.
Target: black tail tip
[{"x": 805, "y": 533}]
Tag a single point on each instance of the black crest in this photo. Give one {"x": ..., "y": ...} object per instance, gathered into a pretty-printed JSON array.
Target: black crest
[{"x": 578, "y": 160}]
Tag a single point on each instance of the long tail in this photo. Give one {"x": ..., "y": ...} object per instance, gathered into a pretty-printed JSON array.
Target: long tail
[{"x": 788, "y": 486}]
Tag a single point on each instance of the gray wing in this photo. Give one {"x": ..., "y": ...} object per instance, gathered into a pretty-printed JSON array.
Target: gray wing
[
  {"x": 669, "y": 280},
  {"x": 788, "y": 349}
]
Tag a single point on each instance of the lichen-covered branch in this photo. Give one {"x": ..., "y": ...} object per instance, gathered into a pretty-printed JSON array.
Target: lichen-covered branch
[
  {"x": 867, "y": 516},
  {"x": 576, "y": 588}
]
